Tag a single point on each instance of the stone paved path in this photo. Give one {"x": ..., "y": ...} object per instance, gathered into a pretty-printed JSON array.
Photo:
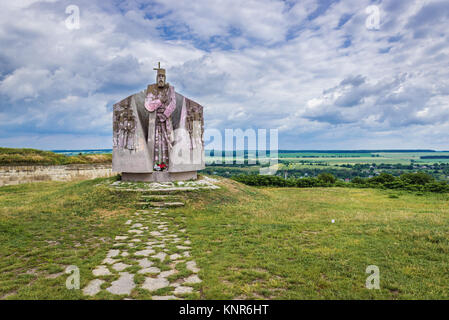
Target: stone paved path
[{"x": 156, "y": 251}]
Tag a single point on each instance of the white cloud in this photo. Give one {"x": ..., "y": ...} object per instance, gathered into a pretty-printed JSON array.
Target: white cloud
[
  {"x": 324, "y": 82},
  {"x": 259, "y": 19}
]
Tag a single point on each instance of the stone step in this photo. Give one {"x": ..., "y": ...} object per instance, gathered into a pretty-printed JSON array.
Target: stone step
[
  {"x": 172, "y": 204},
  {"x": 168, "y": 192},
  {"x": 162, "y": 192},
  {"x": 158, "y": 197},
  {"x": 143, "y": 211},
  {"x": 124, "y": 189},
  {"x": 162, "y": 196},
  {"x": 143, "y": 191},
  {"x": 162, "y": 204}
]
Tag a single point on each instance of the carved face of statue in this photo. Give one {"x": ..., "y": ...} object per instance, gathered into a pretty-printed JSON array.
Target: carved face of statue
[{"x": 160, "y": 80}]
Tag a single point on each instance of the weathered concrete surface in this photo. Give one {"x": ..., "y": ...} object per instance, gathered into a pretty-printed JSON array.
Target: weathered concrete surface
[
  {"x": 101, "y": 271},
  {"x": 153, "y": 284},
  {"x": 93, "y": 287},
  {"x": 124, "y": 285},
  {"x": 12, "y": 175}
]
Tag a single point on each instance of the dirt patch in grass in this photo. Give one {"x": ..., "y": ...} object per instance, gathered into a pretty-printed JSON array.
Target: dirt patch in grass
[{"x": 104, "y": 213}]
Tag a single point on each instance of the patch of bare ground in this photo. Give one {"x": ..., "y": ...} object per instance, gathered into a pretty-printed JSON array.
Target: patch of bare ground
[
  {"x": 259, "y": 296},
  {"x": 226, "y": 282},
  {"x": 104, "y": 213},
  {"x": 8, "y": 295},
  {"x": 55, "y": 275},
  {"x": 307, "y": 232}
]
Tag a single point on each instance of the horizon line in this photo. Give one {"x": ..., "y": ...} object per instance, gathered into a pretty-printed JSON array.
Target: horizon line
[{"x": 280, "y": 150}]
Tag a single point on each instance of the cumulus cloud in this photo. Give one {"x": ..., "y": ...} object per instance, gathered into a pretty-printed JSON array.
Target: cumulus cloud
[{"x": 309, "y": 68}]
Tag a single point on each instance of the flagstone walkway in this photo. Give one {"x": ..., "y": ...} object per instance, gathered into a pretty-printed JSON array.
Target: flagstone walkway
[{"x": 156, "y": 250}]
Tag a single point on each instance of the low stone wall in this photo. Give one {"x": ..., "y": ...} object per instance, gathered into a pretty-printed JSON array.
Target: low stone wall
[{"x": 10, "y": 175}]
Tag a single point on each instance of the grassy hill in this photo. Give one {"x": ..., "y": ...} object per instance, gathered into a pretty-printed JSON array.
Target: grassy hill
[
  {"x": 249, "y": 242},
  {"x": 12, "y": 156}
]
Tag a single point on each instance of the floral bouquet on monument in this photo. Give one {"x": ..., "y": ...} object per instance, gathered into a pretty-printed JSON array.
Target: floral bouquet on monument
[{"x": 160, "y": 166}]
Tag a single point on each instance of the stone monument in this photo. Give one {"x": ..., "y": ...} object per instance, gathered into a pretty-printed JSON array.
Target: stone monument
[{"x": 158, "y": 135}]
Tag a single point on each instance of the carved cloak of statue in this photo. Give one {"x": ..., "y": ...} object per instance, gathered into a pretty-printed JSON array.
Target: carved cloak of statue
[{"x": 155, "y": 126}]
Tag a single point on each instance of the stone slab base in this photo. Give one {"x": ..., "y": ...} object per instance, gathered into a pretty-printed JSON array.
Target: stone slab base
[{"x": 159, "y": 176}]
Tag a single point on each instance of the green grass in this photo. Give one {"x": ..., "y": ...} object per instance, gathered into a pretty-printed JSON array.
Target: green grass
[
  {"x": 47, "y": 226},
  {"x": 280, "y": 243},
  {"x": 12, "y": 157},
  {"x": 262, "y": 243}
]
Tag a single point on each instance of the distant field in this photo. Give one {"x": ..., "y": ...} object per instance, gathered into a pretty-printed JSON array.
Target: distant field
[
  {"x": 343, "y": 165},
  {"x": 404, "y": 158},
  {"x": 416, "y": 157},
  {"x": 334, "y": 158},
  {"x": 324, "y": 155}
]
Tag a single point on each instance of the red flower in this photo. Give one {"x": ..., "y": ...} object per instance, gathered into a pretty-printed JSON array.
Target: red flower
[{"x": 162, "y": 165}]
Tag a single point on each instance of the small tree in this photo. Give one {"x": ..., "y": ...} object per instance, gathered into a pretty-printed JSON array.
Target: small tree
[
  {"x": 420, "y": 178},
  {"x": 327, "y": 178},
  {"x": 358, "y": 180},
  {"x": 383, "y": 178}
]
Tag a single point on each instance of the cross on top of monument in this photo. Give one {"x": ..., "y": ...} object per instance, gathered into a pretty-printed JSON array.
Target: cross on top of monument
[{"x": 159, "y": 69}]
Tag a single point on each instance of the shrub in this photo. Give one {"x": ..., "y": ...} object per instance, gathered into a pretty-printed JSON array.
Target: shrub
[
  {"x": 414, "y": 187},
  {"x": 327, "y": 178},
  {"x": 439, "y": 187},
  {"x": 261, "y": 180},
  {"x": 383, "y": 181},
  {"x": 358, "y": 180},
  {"x": 307, "y": 183},
  {"x": 382, "y": 178},
  {"x": 341, "y": 184},
  {"x": 396, "y": 184},
  {"x": 420, "y": 178}
]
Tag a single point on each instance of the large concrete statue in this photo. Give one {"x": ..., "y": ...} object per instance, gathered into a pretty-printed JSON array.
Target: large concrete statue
[{"x": 158, "y": 135}]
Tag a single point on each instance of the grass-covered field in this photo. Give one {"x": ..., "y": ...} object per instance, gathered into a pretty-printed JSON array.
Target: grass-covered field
[
  {"x": 13, "y": 157},
  {"x": 263, "y": 243},
  {"x": 361, "y": 158},
  {"x": 47, "y": 226},
  {"x": 348, "y": 157}
]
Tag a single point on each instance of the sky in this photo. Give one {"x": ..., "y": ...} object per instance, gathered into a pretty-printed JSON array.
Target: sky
[{"x": 352, "y": 74}]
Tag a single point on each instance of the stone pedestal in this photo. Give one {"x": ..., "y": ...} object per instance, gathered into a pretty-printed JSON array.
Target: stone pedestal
[{"x": 159, "y": 176}]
